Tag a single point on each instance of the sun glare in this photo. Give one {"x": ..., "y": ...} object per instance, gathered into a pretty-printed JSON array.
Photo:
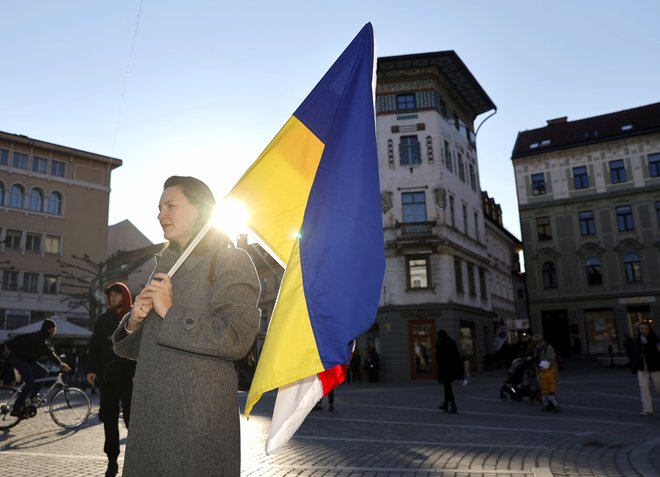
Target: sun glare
[{"x": 231, "y": 217}]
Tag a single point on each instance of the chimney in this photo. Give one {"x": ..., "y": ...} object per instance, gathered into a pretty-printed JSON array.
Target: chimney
[{"x": 557, "y": 120}]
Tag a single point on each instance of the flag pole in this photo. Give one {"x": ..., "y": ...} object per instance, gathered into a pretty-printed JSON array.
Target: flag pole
[{"x": 198, "y": 238}]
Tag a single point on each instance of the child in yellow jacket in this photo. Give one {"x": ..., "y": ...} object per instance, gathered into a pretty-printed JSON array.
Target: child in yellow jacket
[{"x": 548, "y": 386}]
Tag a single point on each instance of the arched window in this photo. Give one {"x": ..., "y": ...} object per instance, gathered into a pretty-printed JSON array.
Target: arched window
[
  {"x": 16, "y": 196},
  {"x": 592, "y": 267},
  {"x": 36, "y": 200},
  {"x": 632, "y": 267},
  {"x": 55, "y": 203},
  {"x": 549, "y": 275},
  {"x": 2, "y": 194}
]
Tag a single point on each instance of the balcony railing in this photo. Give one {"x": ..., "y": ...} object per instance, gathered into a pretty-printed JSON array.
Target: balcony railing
[{"x": 416, "y": 228}]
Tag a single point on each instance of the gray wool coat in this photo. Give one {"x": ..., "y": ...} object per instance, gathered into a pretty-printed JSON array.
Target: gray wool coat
[{"x": 185, "y": 412}]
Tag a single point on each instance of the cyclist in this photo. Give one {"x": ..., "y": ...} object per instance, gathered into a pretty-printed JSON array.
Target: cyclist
[{"x": 25, "y": 351}]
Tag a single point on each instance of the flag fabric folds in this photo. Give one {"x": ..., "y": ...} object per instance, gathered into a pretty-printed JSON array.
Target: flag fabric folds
[{"x": 314, "y": 201}]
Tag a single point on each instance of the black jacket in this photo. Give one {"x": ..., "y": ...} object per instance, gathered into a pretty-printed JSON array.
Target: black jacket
[
  {"x": 32, "y": 346},
  {"x": 450, "y": 363},
  {"x": 646, "y": 352},
  {"x": 102, "y": 358}
]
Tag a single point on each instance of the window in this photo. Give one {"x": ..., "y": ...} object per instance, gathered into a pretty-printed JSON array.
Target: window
[
  {"x": 617, "y": 171},
  {"x": 461, "y": 168},
  {"x": 55, "y": 203},
  {"x": 58, "y": 168},
  {"x": 473, "y": 178},
  {"x": 30, "y": 282},
  {"x": 580, "y": 177},
  {"x": 4, "y": 157},
  {"x": 16, "y": 196},
  {"x": 33, "y": 242},
  {"x": 409, "y": 151},
  {"x": 443, "y": 108},
  {"x": 482, "y": 284},
  {"x": 52, "y": 244},
  {"x": 456, "y": 122},
  {"x": 476, "y": 225},
  {"x": 452, "y": 211},
  {"x": 10, "y": 280},
  {"x": 624, "y": 218},
  {"x": 36, "y": 200},
  {"x": 13, "y": 239},
  {"x": 549, "y": 275},
  {"x": 632, "y": 268},
  {"x": 465, "y": 219},
  {"x": 448, "y": 161},
  {"x": 538, "y": 184},
  {"x": 50, "y": 285},
  {"x": 592, "y": 267},
  {"x": 587, "y": 225},
  {"x": 414, "y": 206},
  {"x": 2, "y": 194},
  {"x": 470, "y": 276},
  {"x": 543, "y": 228},
  {"x": 654, "y": 165},
  {"x": 418, "y": 272},
  {"x": 20, "y": 160},
  {"x": 657, "y": 211},
  {"x": 405, "y": 102},
  {"x": 458, "y": 274},
  {"x": 39, "y": 164}
]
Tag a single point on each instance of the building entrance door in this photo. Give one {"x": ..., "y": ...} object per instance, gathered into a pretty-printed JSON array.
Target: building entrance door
[
  {"x": 421, "y": 346},
  {"x": 555, "y": 330}
]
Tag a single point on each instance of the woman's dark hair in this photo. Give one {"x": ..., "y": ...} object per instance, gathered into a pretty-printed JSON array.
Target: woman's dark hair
[{"x": 201, "y": 196}]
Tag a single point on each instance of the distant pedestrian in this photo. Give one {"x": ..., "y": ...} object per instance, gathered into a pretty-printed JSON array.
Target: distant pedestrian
[
  {"x": 548, "y": 386},
  {"x": 646, "y": 363},
  {"x": 450, "y": 368},
  {"x": 331, "y": 402},
  {"x": 372, "y": 365},
  {"x": 355, "y": 366}
]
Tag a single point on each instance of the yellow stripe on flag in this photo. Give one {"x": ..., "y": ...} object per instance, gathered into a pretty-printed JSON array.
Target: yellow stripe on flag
[
  {"x": 276, "y": 188},
  {"x": 291, "y": 339}
]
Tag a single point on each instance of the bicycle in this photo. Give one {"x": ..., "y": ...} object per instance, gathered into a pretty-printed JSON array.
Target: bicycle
[{"x": 69, "y": 406}]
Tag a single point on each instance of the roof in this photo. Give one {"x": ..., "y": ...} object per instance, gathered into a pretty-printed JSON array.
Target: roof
[
  {"x": 463, "y": 83},
  {"x": 22, "y": 139},
  {"x": 561, "y": 133},
  {"x": 64, "y": 329}
]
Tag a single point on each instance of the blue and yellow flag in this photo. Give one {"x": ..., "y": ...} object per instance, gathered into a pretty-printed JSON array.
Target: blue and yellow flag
[{"x": 314, "y": 200}]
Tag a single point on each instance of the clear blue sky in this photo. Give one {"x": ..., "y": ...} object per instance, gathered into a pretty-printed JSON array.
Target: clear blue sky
[{"x": 201, "y": 87}]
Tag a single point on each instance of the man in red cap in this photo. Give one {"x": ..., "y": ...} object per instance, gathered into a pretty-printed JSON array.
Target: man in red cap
[{"x": 114, "y": 375}]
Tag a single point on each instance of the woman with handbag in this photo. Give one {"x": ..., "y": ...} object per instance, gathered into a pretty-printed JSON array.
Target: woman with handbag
[{"x": 185, "y": 334}]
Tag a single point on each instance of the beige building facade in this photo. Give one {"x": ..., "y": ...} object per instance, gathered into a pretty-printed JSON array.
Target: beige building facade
[
  {"x": 589, "y": 201},
  {"x": 53, "y": 205}
]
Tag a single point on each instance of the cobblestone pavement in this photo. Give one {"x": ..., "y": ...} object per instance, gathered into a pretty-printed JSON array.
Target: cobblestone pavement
[{"x": 388, "y": 430}]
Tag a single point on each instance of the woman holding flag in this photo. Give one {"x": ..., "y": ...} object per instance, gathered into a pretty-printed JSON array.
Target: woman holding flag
[{"x": 186, "y": 330}]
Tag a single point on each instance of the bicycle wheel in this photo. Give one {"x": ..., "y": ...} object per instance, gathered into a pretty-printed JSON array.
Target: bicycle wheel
[
  {"x": 7, "y": 397},
  {"x": 70, "y": 407}
]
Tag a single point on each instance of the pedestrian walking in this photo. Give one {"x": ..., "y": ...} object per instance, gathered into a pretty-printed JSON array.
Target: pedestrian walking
[
  {"x": 450, "y": 368},
  {"x": 646, "y": 364},
  {"x": 111, "y": 373},
  {"x": 185, "y": 332},
  {"x": 355, "y": 366},
  {"x": 372, "y": 365},
  {"x": 548, "y": 386}
]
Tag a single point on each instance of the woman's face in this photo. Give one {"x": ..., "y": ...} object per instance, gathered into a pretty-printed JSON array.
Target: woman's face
[{"x": 177, "y": 216}]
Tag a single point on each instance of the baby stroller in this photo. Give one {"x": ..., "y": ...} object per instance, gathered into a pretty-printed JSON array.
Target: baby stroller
[{"x": 516, "y": 385}]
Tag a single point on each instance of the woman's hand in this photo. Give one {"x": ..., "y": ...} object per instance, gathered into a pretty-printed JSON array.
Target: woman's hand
[
  {"x": 141, "y": 308},
  {"x": 159, "y": 292}
]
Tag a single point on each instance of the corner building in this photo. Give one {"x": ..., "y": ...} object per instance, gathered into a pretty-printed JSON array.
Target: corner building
[
  {"x": 438, "y": 272},
  {"x": 589, "y": 202}
]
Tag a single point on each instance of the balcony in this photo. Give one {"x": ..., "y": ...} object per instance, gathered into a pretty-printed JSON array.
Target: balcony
[
  {"x": 413, "y": 234},
  {"x": 411, "y": 229}
]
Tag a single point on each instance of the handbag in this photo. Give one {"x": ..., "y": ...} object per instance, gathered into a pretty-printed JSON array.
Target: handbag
[{"x": 247, "y": 365}]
